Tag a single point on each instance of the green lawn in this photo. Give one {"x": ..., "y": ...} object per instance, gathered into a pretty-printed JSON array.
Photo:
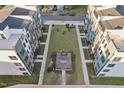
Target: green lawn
[
  {"x": 43, "y": 38},
  {"x": 12, "y": 80},
  {"x": 103, "y": 80},
  {"x": 41, "y": 50},
  {"x": 87, "y": 54},
  {"x": 45, "y": 28},
  {"x": 84, "y": 41},
  {"x": 75, "y": 9},
  {"x": 63, "y": 40}
]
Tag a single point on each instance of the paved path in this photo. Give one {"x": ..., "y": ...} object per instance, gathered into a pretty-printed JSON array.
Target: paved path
[
  {"x": 85, "y": 47},
  {"x": 84, "y": 68},
  {"x": 63, "y": 77},
  {"x": 88, "y": 61},
  {"x": 45, "y": 33},
  {"x": 63, "y": 18},
  {"x": 82, "y": 33},
  {"x": 63, "y": 86},
  {"x": 42, "y": 43},
  {"x": 83, "y": 36},
  {"x": 45, "y": 57}
]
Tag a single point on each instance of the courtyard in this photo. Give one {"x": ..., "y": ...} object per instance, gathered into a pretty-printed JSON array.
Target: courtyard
[{"x": 64, "y": 39}]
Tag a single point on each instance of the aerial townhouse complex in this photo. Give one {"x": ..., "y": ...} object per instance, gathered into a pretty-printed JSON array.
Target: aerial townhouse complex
[
  {"x": 106, "y": 34},
  {"x": 20, "y": 29}
]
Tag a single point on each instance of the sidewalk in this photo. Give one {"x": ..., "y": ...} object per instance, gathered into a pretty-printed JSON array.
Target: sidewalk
[
  {"x": 85, "y": 72},
  {"x": 45, "y": 57}
]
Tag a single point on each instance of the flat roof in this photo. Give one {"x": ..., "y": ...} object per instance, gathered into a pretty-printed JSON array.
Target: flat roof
[
  {"x": 5, "y": 12},
  {"x": 119, "y": 45},
  {"x": 10, "y": 43},
  {"x": 107, "y": 12},
  {"x": 15, "y": 23},
  {"x": 22, "y": 11},
  {"x": 117, "y": 23},
  {"x": 63, "y": 61}
]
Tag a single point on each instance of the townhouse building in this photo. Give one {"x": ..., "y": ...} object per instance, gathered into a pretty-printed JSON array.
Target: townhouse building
[
  {"x": 108, "y": 43},
  {"x": 98, "y": 13},
  {"x": 20, "y": 29}
]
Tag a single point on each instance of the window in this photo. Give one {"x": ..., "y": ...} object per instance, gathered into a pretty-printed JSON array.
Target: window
[
  {"x": 99, "y": 48},
  {"x": 22, "y": 51},
  {"x": 106, "y": 70},
  {"x": 25, "y": 73},
  {"x": 117, "y": 59},
  {"x": 100, "y": 52},
  {"x": 27, "y": 35},
  {"x": 98, "y": 65},
  {"x": 101, "y": 74},
  {"x": 105, "y": 45},
  {"x": 103, "y": 41},
  {"x": 111, "y": 65},
  {"x": 29, "y": 64},
  {"x": 13, "y": 57},
  {"x": 18, "y": 64},
  {"x": 103, "y": 59},
  {"x": 3, "y": 37},
  {"x": 26, "y": 58},
  {"x": 27, "y": 51},
  {"x": 22, "y": 69},
  {"x": 29, "y": 47},
  {"x": 24, "y": 44},
  {"x": 107, "y": 53},
  {"x": 26, "y": 40}
]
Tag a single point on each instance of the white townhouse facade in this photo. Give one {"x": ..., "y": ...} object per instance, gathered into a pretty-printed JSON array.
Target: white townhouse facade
[
  {"x": 98, "y": 13},
  {"x": 20, "y": 30},
  {"x": 108, "y": 43}
]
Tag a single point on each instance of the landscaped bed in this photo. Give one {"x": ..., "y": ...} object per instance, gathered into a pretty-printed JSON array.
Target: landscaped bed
[
  {"x": 87, "y": 54},
  {"x": 103, "y": 80},
  {"x": 45, "y": 28},
  {"x": 43, "y": 38},
  {"x": 75, "y": 9},
  {"x": 12, "y": 80},
  {"x": 84, "y": 41},
  {"x": 41, "y": 50},
  {"x": 81, "y": 29},
  {"x": 63, "y": 39}
]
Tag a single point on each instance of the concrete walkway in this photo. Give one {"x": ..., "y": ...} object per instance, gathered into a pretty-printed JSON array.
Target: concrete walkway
[
  {"x": 45, "y": 57},
  {"x": 42, "y": 43},
  {"x": 85, "y": 47},
  {"x": 88, "y": 61},
  {"x": 64, "y": 86},
  {"x": 84, "y": 67},
  {"x": 63, "y": 77},
  {"x": 82, "y": 36}
]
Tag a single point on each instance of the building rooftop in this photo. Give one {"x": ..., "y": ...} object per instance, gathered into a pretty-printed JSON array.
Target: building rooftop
[
  {"x": 119, "y": 45},
  {"x": 112, "y": 11},
  {"x": 117, "y": 23},
  {"x": 107, "y": 12},
  {"x": 15, "y": 23},
  {"x": 10, "y": 43},
  {"x": 22, "y": 11},
  {"x": 63, "y": 61},
  {"x": 5, "y": 12}
]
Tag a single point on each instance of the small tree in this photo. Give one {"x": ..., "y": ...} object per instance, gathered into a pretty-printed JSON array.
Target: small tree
[{"x": 49, "y": 69}]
